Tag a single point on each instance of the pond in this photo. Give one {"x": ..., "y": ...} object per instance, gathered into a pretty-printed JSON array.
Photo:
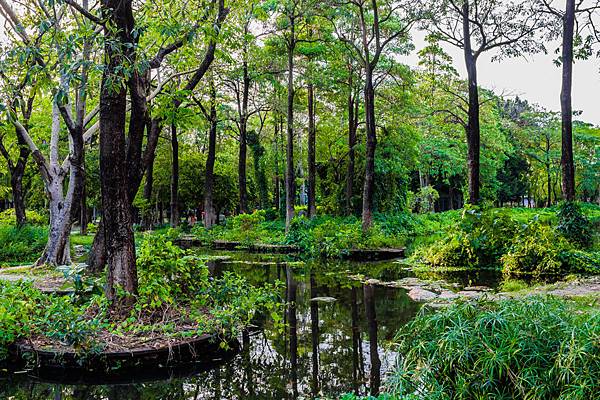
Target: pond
[{"x": 337, "y": 340}]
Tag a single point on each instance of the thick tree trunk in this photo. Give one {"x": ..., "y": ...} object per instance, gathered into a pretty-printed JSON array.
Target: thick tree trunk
[
  {"x": 369, "y": 184},
  {"x": 210, "y": 215},
  {"x": 352, "y": 128},
  {"x": 174, "y": 177},
  {"x": 566, "y": 160},
  {"x": 290, "y": 184},
  {"x": 312, "y": 167},
  {"x": 114, "y": 177},
  {"x": 473, "y": 131}
]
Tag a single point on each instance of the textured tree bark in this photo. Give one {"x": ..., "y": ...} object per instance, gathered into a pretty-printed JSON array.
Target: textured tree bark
[
  {"x": 473, "y": 131},
  {"x": 210, "y": 215},
  {"x": 566, "y": 160},
  {"x": 369, "y": 184},
  {"x": 174, "y": 177},
  {"x": 312, "y": 164},
  {"x": 114, "y": 177},
  {"x": 290, "y": 184}
]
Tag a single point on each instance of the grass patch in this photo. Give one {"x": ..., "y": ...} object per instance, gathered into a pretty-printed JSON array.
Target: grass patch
[{"x": 533, "y": 348}]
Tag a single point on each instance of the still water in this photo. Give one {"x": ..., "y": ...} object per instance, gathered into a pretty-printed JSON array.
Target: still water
[{"x": 337, "y": 341}]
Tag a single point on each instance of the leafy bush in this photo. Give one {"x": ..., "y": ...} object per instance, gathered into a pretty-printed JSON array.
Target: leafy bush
[
  {"x": 332, "y": 237},
  {"x": 167, "y": 274},
  {"x": 532, "y": 348},
  {"x": 537, "y": 249},
  {"x": 424, "y": 200},
  {"x": 574, "y": 225},
  {"x": 478, "y": 239},
  {"x": 8, "y": 217},
  {"x": 20, "y": 245}
]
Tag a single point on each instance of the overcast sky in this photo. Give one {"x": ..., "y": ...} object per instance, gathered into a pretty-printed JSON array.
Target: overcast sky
[{"x": 535, "y": 78}]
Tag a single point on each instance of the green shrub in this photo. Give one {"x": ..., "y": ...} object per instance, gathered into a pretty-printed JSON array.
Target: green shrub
[
  {"x": 532, "y": 348},
  {"x": 537, "y": 249},
  {"x": 21, "y": 245},
  {"x": 574, "y": 225},
  {"x": 167, "y": 274},
  {"x": 478, "y": 239},
  {"x": 8, "y": 217}
]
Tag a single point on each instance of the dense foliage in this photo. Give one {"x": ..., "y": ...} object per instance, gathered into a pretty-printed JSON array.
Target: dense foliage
[
  {"x": 531, "y": 348},
  {"x": 519, "y": 243}
]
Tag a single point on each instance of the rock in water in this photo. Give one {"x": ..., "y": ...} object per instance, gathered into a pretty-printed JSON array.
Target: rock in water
[{"x": 418, "y": 294}]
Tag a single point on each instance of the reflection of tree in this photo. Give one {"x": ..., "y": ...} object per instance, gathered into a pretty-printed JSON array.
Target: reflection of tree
[
  {"x": 375, "y": 375},
  {"x": 314, "y": 329},
  {"x": 292, "y": 288},
  {"x": 323, "y": 351}
]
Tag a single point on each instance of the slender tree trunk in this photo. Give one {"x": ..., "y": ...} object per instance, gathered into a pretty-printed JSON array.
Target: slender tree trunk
[
  {"x": 290, "y": 184},
  {"x": 566, "y": 160},
  {"x": 83, "y": 209},
  {"x": 473, "y": 131},
  {"x": 352, "y": 128},
  {"x": 210, "y": 215},
  {"x": 277, "y": 197},
  {"x": 114, "y": 182},
  {"x": 369, "y": 184},
  {"x": 17, "y": 171},
  {"x": 242, "y": 174},
  {"x": 312, "y": 167},
  {"x": 174, "y": 177},
  {"x": 153, "y": 134},
  {"x": 16, "y": 183}
]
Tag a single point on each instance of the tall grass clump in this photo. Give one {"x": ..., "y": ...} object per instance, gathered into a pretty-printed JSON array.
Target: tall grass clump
[{"x": 533, "y": 348}]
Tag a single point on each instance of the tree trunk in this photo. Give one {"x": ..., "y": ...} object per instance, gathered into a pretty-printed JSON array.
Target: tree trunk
[
  {"x": 352, "y": 128},
  {"x": 210, "y": 216},
  {"x": 277, "y": 196},
  {"x": 369, "y": 184},
  {"x": 566, "y": 160},
  {"x": 17, "y": 171},
  {"x": 312, "y": 167},
  {"x": 290, "y": 184},
  {"x": 83, "y": 210},
  {"x": 243, "y": 151},
  {"x": 16, "y": 183},
  {"x": 150, "y": 155},
  {"x": 174, "y": 177},
  {"x": 473, "y": 131},
  {"x": 114, "y": 182}
]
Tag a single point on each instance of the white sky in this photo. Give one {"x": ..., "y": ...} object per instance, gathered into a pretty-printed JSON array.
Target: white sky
[{"x": 535, "y": 78}]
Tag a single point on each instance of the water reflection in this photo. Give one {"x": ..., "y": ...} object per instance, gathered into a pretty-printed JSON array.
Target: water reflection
[{"x": 333, "y": 343}]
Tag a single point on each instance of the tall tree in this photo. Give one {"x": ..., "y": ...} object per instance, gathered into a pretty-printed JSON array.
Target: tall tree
[
  {"x": 477, "y": 27},
  {"x": 571, "y": 24},
  {"x": 380, "y": 24}
]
